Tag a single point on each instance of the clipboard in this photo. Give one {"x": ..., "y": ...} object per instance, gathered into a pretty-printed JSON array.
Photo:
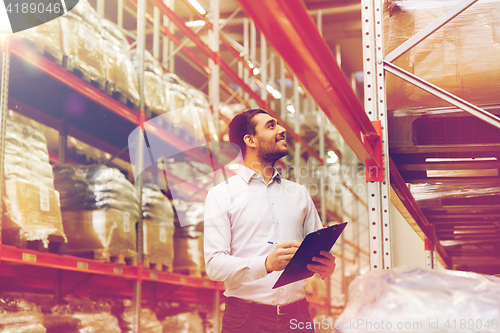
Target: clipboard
[{"x": 313, "y": 243}]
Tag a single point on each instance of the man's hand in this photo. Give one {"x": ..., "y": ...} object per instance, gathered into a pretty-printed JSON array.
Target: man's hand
[
  {"x": 281, "y": 255},
  {"x": 324, "y": 267}
]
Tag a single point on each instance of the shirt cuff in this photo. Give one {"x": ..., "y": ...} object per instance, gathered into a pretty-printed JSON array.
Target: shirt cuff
[{"x": 258, "y": 266}]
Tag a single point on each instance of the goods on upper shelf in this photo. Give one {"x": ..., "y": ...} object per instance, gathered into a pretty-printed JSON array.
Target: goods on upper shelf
[
  {"x": 85, "y": 52},
  {"x": 201, "y": 109},
  {"x": 154, "y": 87},
  {"x": 81, "y": 315},
  {"x": 100, "y": 210},
  {"x": 188, "y": 238},
  {"x": 32, "y": 209},
  {"x": 158, "y": 229},
  {"x": 120, "y": 72},
  {"x": 461, "y": 57},
  {"x": 427, "y": 299},
  {"x": 20, "y": 316}
]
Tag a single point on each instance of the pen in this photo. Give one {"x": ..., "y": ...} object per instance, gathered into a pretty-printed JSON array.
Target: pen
[{"x": 272, "y": 243}]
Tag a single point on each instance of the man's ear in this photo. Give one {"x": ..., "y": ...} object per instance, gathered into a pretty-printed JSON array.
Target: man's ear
[{"x": 249, "y": 140}]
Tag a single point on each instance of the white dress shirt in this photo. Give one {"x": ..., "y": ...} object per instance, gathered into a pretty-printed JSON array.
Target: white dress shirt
[{"x": 241, "y": 216}]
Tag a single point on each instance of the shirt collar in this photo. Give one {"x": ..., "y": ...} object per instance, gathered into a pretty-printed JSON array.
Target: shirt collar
[{"x": 247, "y": 174}]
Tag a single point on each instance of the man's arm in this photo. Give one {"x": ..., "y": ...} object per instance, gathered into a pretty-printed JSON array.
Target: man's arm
[{"x": 219, "y": 263}]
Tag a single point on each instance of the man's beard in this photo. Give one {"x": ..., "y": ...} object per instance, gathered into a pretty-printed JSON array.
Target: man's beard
[{"x": 270, "y": 153}]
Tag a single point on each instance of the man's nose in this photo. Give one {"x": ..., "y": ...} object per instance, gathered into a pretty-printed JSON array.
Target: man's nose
[{"x": 281, "y": 130}]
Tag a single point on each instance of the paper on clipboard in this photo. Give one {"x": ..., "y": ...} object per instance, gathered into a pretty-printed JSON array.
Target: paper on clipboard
[{"x": 314, "y": 242}]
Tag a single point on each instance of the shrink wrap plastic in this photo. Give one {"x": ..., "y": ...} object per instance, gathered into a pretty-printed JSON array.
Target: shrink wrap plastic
[
  {"x": 84, "y": 53},
  {"x": 20, "y": 316},
  {"x": 188, "y": 240},
  {"x": 95, "y": 187},
  {"x": 428, "y": 195},
  {"x": 84, "y": 316},
  {"x": 158, "y": 226},
  {"x": 461, "y": 57},
  {"x": 150, "y": 63},
  {"x": 100, "y": 210},
  {"x": 85, "y": 11},
  {"x": 149, "y": 322},
  {"x": 423, "y": 301},
  {"x": 202, "y": 109},
  {"x": 120, "y": 72},
  {"x": 32, "y": 207},
  {"x": 187, "y": 322},
  {"x": 46, "y": 38},
  {"x": 154, "y": 93},
  {"x": 178, "y": 118}
]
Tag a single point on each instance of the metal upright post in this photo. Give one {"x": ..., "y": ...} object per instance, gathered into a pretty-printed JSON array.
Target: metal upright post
[
  {"x": 246, "y": 48},
  {"x": 253, "y": 52},
  {"x": 296, "y": 102},
  {"x": 283, "y": 89},
  {"x": 213, "y": 90},
  {"x": 4, "y": 97},
  {"x": 63, "y": 140},
  {"x": 375, "y": 106},
  {"x": 171, "y": 64},
  {"x": 216, "y": 313},
  {"x": 165, "y": 42},
  {"x": 156, "y": 33},
  {"x": 263, "y": 67},
  {"x": 100, "y": 7},
  {"x": 120, "y": 13},
  {"x": 141, "y": 44}
]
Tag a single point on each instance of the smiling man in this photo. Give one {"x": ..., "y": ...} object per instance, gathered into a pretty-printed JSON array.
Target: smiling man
[{"x": 243, "y": 216}]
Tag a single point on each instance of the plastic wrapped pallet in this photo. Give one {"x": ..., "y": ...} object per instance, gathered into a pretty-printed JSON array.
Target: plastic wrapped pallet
[
  {"x": 188, "y": 239},
  {"x": 45, "y": 39},
  {"x": 81, "y": 316},
  {"x": 417, "y": 300},
  {"x": 176, "y": 102},
  {"x": 100, "y": 210},
  {"x": 201, "y": 107},
  {"x": 461, "y": 57},
  {"x": 20, "y": 316},
  {"x": 158, "y": 228},
  {"x": 85, "y": 11},
  {"x": 150, "y": 63},
  {"x": 149, "y": 323},
  {"x": 32, "y": 209},
  {"x": 186, "y": 322},
  {"x": 84, "y": 55},
  {"x": 120, "y": 72}
]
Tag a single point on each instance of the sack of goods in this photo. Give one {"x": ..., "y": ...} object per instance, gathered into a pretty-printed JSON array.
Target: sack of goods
[
  {"x": 407, "y": 299},
  {"x": 158, "y": 229},
  {"x": 154, "y": 87},
  {"x": 148, "y": 324},
  {"x": 449, "y": 58},
  {"x": 185, "y": 322},
  {"x": 100, "y": 209},
  {"x": 81, "y": 315},
  {"x": 45, "y": 39},
  {"x": 32, "y": 215},
  {"x": 84, "y": 53},
  {"x": 120, "y": 72},
  {"x": 20, "y": 316},
  {"x": 188, "y": 238}
]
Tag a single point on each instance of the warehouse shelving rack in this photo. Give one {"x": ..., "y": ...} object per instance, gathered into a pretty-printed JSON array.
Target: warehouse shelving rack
[{"x": 54, "y": 265}]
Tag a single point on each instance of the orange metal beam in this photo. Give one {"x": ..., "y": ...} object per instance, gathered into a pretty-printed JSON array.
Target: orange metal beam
[{"x": 291, "y": 31}]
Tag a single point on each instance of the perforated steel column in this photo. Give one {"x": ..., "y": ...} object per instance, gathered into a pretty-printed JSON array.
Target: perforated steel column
[
  {"x": 4, "y": 97},
  {"x": 375, "y": 107}
]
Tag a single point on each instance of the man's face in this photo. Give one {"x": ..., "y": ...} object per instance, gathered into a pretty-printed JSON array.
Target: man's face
[{"x": 270, "y": 137}]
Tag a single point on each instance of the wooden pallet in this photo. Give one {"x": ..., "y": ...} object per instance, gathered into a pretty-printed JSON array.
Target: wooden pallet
[
  {"x": 48, "y": 51},
  {"x": 191, "y": 271},
  {"x": 77, "y": 68},
  {"x": 116, "y": 258},
  {"x": 57, "y": 243},
  {"x": 154, "y": 263},
  {"x": 122, "y": 96}
]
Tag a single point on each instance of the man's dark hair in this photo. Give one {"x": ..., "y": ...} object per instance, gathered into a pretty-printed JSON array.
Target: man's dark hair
[{"x": 241, "y": 125}]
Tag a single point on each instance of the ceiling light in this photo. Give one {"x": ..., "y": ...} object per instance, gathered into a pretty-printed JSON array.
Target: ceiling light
[
  {"x": 256, "y": 71},
  {"x": 462, "y": 173},
  {"x": 331, "y": 153},
  {"x": 197, "y": 23},
  {"x": 198, "y": 7},
  {"x": 234, "y": 166},
  {"x": 250, "y": 64},
  {"x": 457, "y": 159},
  {"x": 270, "y": 89},
  {"x": 290, "y": 108},
  {"x": 276, "y": 94},
  {"x": 299, "y": 88},
  {"x": 107, "y": 155}
]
